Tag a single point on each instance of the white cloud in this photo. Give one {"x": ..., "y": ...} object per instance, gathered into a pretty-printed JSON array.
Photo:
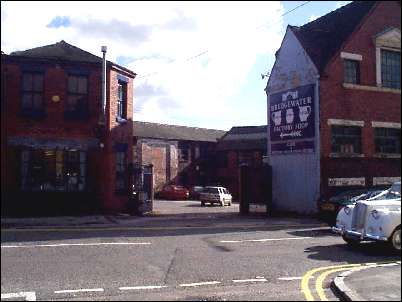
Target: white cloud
[
  {"x": 312, "y": 18},
  {"x": 155, "y": 34}
]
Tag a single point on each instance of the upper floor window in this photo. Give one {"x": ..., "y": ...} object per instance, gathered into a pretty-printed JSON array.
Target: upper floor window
[
  {"x": 32, "y": 92},
  {"x": 351, "y": 72},
  {"x": 346, "y": 139},
  {"x": 391, "y": 69},
  {"x": 122, "y": 100},
  {"x": 77, "y": 98},
  {"x": 387, "y": 140}
]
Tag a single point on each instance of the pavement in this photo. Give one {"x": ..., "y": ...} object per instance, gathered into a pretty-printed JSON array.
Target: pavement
[{"x": 377, "y": 282}]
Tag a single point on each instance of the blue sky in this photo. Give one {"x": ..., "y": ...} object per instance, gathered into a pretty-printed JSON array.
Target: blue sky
[{"x": 198, "y": 63}]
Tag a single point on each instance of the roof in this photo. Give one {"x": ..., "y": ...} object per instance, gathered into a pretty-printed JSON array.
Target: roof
[
  {"x": 174, "y": 132},
  {"x": 323, "y": 37},
  {"x": 244, "y": 138},
  {"x": 63, "y": 51}
]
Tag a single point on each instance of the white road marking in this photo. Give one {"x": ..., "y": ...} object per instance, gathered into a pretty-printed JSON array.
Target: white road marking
[
  {"x": 29, "y": 296},
  {"x": 79, "y": 290},
  {"x": 200, "y": 283},
  {"x": 142, "y": 287},
  {"x": 251, "y": 280},
  {"x": 292, "y": 278},
  {"x": 76, "y": 244},
  {"x": 264, "y": 240}
]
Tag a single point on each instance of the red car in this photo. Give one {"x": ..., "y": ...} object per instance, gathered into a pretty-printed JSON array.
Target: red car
[{"x": 174, "y": 192}]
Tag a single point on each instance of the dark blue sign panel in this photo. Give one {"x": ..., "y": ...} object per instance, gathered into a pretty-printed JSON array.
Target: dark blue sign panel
[{"x": 292, "y": 119}]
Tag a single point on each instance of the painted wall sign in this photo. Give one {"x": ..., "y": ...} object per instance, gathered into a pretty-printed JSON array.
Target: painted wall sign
[
  {"x": 340, "y": 182},
  {"x": 385, "y": 180},
  {"x": 292, "y": 119}
]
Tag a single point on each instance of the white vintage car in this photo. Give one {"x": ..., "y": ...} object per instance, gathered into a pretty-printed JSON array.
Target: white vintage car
[{"x": 375, "y": 219}]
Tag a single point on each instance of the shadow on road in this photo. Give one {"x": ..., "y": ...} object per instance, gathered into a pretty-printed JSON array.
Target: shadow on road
[{"x": 365, "y": 252}]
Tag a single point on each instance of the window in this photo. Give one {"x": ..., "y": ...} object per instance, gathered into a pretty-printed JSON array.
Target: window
[
  {"x": 391, "y": 69},
  {"x": 346, "y": 139},
  {"x": 32, "y": 92},
  {"x": 53, "y": 170},
  {"x": 122, "y": 100},
  {"x": 120, "y": 171},
  {"x": 387, "y": 140},
  {"x": 351, "y": 71},
  {"x": 77, "y": 99}
]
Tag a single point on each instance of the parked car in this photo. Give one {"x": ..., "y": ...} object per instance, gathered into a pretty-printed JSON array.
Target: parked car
[
  {"x": 195, "y": 192},
  {"x": 329, "y": 208},
  {"x": 215, "y": 195},
  {"x": 378, "y": 219},
  {"x": 174, "y": 192}
]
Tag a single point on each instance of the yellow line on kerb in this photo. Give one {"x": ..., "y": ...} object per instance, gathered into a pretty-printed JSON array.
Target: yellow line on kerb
[
  {"x": 318, "y": 284},
  {"x": 329, "y": 270},
  {"x": 304, "y": 284}
]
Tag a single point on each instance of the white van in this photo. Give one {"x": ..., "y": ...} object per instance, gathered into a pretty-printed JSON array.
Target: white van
[{"x": 215, "y": 195}]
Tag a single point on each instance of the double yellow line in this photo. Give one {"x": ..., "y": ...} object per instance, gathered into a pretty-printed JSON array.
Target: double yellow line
[{"x": 323, "y": 274}]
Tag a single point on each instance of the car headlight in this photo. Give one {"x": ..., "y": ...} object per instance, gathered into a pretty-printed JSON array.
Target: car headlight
[
  {"x": 347, "y": 210},
  {"x": 375, "y": 214}
]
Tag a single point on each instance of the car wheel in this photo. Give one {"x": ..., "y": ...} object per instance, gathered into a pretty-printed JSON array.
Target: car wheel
[
  {"x": 395, "y": 239},
  {"x": 230, "y": 203},
  {"x": 222, "y": 202},
  {"x": 350, "y": 241},
  {"x": 203, "y": 204}
]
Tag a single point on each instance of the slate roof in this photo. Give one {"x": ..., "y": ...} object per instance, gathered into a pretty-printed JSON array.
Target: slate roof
[
  {"x": 244, "y": 138},
  {"x": 174, "y": 132},
  {"x": 62, "y": 51},
  {"x": 323, "y": 37}
]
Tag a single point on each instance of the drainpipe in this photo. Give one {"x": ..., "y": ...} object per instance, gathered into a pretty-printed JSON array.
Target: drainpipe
[{"x": 103, "y": 103}]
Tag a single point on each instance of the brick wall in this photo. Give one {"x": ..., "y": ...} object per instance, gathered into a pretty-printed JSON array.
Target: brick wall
[
  {"x": 337, "y": 102},
  {"x": 101, "y": 162}
]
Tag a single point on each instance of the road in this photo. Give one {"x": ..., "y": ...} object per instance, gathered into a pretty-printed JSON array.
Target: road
[{"x": 178, "y": 263}]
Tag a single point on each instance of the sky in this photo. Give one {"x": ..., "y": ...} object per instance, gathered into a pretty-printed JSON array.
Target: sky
[{"x": 198, "y": 64}]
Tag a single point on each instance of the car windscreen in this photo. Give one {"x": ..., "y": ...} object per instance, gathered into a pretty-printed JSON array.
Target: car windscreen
[{"x": 211, "y": 190}]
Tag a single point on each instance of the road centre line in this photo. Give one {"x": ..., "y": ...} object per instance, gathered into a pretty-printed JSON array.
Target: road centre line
[
  {"x": 200, "y": 283},
  {"x": 83, "y": 290},
  {"x": 265, "y": 240},
  {"x": 292, "y": 278},
  {"x": 142, "y": 287},
  {"x": 29, "y": 296},
  {"x": 76, "y": 244},
  {"x": 251, "y": 280}
]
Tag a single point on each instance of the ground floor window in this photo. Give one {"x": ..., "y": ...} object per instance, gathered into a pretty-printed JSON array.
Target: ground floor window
[
  {"x": 53, "y": 170},
  {"x": 346, "y": 139},
  {"x": 120, "y": 171},
  {"x": 387, "y": 140}
]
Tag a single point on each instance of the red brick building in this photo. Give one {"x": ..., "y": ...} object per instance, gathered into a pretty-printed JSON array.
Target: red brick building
[
  {"x": 180, "y": 155},
  {"x": 334, "y": 105},
  {"x": 241, "y": 145},
  {"x": 60, "y": 151}
]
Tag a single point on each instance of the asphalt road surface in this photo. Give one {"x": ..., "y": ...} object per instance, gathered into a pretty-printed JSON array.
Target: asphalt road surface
[{"x": 204, "y": 264}]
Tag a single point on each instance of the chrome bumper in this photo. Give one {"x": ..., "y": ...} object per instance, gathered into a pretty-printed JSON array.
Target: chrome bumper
[{"x": 359, "y": 235}]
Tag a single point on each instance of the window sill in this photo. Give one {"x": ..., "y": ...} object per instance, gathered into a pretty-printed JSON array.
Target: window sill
[
  {"x": 346, "y": 155},
  {"x": 121, "y": 120},
  {"x": 387, "y": 155},
  {"x": 370, "y": 88}
]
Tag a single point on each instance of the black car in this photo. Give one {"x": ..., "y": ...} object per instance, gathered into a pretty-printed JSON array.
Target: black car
[{"x": 328, "y": 208}]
